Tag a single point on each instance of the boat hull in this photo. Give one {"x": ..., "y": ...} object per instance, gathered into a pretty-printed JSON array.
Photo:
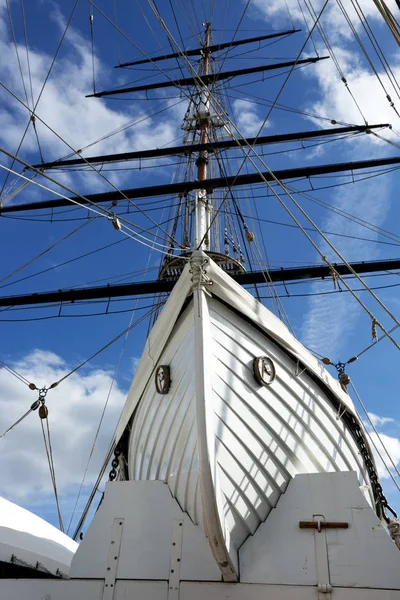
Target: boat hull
[{"x": 227, "y": 446}]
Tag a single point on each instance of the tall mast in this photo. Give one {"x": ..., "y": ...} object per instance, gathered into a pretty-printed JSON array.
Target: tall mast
[{"x": 202, "y": 208}]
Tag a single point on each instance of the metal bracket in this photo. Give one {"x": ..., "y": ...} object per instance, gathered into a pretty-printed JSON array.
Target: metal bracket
[
  {"x": 324, "y": 587},
  {"x": 298, "y": 372},
  {"x": 176, "y": 556},
  {"x": 113, "y": 557}
]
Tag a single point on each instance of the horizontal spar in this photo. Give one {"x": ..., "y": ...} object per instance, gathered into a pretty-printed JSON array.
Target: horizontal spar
[
  {"x": 210, "y": 147},
  {"x": 207, "y": 50},
  {"x": 206, "y": 79},
  {"x": 209, "y": 184},
  {"x": 162, "y": 286}
]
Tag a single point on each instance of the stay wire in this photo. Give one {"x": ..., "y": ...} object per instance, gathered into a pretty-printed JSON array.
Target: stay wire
[
  {"x": 218, "y": 105},
  {"x": 243, "y": 14},
  {"x": 361, "y": 403},
  {"x": 67, "y": 262},
  {"x": 98, "y": 171},
  {"x": 156, "y": 307},
  {"x": 28, "y": 412},
  {"x": 16, "y": 50},
  {"x": 15, "y": 373},
  {"x": 375, "y": 44},
  {"x": 101, "y": 212},
  {"x": 368, "y": 58},
  {"x": 50, "y": 460},
  {"x": 307, "y": 27},
  {"x": 48, "y": 249},
  {"x": 327, "y": 241},
  {"x": 28, "y": 62},
  {"x": 324, "y": 258},
  {"x": 379, "y": 339},
  {"x": 94, "y": 490},
  {"x": 91, "y": 17},
  {"x": 335, "y": 60},
  {"x": 114, "y": 376},
  {"x": 251, "y": 148},
  {"x": 32, "y": 112},
  {"x": 131, "y": 326}
]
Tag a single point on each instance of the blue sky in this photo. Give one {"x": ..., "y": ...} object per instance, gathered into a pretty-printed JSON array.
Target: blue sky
[{"x": 42, "y": 350}]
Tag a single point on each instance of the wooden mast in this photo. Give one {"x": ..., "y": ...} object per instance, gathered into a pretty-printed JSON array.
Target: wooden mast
[{"x": 202, "y": 209}]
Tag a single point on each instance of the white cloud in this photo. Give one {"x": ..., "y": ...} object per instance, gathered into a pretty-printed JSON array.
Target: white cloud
[
  {"x": 74, "y": 413},
  {"x": 378, "y": 421},
  {"x": 385, "y": 445},
  {"x": 335, "y": 100},
  {"x": 63, "y": 106},
  {"x": 248, "y": 120},
  {"x": 370, "y": 201},
  {"x": 330, "y": 319},
  {"x": 332, "y": 18}
]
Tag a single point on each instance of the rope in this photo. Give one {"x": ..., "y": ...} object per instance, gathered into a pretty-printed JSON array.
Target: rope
[
  {"x": 334, "y": 59},
  {"x": 324, "y": 258},
  {"x": 379, "y": 438},
  {"x": 131, "y": 326},
  {"x": 32, "y": 112},
  {"x": 373, "y": 318},
  {"x": 98, "y": 171},
  {"x": 33, "y": 407},
  {"x": 91, "y": 17},
  {"x": 376, "y": 341},
  {"x": 15, "y": 373},
  {"x": 50, "y": 460},
  {"x": 102, "y": 417},
  {"x": 104, "y": 214},
  {"x": 94, "y": 490}
]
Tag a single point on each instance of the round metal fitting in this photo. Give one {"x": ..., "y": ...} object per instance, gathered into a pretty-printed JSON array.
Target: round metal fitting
[
  {"x": 264, "y": 370},
  {"x": 163, "y": 379}
]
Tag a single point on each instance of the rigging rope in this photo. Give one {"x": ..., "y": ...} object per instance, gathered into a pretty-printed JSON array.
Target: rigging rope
[
  {"x": 113, "y": 379},
  {"x": 32, "y": 112},
  {"x": 91, "y": 18},
  {"x": 334, "y": 59},
  {"x": 388, "y": 17},
  {"x": 327, "y": 241},
  {"x": 98, "y": 171},
  {"x": 33, "y": 407},
  {"x": 131, "y": 326},
  {"x": 43, "y": 415},
  {"x": 379, "y": 438},
  {"x": 106, "y": 213},
  {"x": 316, "y": 22},
  {"x": 17, "y": 375}
]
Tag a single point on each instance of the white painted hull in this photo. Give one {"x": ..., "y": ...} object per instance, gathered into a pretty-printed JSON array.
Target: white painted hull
[{"x": 226, "y": 446}]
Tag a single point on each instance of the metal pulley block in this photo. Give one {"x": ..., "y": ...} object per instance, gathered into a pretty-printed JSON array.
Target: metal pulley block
[{"x": 43, "y": 411}]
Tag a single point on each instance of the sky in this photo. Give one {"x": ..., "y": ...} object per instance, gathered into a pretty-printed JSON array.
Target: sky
[{"x": 45, "y": 349}]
